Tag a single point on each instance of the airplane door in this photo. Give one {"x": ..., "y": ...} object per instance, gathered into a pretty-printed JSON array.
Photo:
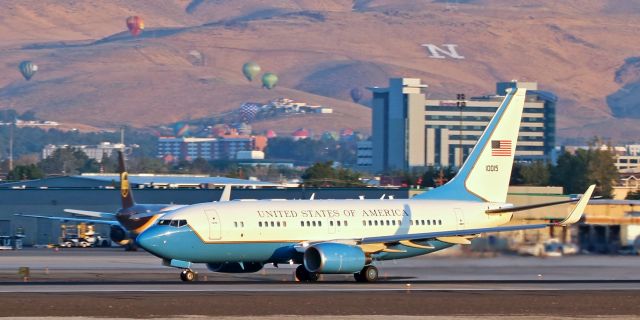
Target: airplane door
[
  {"x": 459, "y": 218},
  {"x": 214, "y": 224}
]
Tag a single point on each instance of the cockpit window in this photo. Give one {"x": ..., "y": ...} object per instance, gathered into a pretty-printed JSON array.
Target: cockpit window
[{"x": 174, "y": 223}]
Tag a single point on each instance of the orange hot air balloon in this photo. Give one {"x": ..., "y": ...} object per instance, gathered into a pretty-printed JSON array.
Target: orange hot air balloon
[{"x": 135, "y": 25}]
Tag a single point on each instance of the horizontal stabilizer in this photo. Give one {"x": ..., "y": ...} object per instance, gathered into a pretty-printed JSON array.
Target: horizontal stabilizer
[
  {"x": 64, "y": 219},
  {"x": 529, "y": 206},
  {"x": 532, "y": 206}
]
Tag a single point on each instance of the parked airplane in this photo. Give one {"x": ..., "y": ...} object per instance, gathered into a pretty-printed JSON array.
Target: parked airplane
[
  {"x": 347, "y": 236},
  {"x": 130, "y": 220}
]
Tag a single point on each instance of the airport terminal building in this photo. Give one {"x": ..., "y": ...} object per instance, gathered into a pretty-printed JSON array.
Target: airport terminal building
[{"x": 409, "y": 130}]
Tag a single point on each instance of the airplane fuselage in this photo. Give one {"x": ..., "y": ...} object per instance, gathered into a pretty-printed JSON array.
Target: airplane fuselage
[{"x": 266, "y": 231}]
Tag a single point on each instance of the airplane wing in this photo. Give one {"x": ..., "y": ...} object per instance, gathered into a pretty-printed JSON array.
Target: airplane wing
[
  {"x": 94, "y": 221},
  {"x": 95, "y": 214},
  {"x": 460, "y": 236},
  {"x": 154, "y": 213}
]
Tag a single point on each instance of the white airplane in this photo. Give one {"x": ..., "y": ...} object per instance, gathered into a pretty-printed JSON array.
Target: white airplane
[{"x": 347, "y": 236}]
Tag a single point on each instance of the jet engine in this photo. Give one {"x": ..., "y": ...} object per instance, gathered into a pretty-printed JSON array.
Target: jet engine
[
  {"x": 334, "y": 258},
  {"x": 119, "y": 235},
  {"x": 235, "y": 267}
]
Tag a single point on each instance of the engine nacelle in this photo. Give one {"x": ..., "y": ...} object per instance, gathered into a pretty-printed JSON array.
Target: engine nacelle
[
  {"x": 334, "y": 258},
  {"x": 119, "y": 235},
  {"x": 235, "y": 267}
]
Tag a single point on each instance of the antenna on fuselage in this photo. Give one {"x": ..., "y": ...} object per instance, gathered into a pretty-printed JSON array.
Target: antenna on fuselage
[
  {"x": 383, "y": 195},
  {"x": 313, "y": 196}
]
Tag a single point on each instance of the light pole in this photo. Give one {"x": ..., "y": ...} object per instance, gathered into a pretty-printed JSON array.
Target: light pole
[{"x": 461, "y": 103}]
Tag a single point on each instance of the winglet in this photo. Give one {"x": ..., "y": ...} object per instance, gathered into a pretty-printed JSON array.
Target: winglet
[
  {"x": 577, "y": 212},
  {"x": 226, "y": 193}
]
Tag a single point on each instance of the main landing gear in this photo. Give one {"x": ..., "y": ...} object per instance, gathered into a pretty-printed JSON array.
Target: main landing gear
[
  {"x": 187, "y": 275},
  {"x": 367, "y": 274},
  {"x": 303, "y": 275}
]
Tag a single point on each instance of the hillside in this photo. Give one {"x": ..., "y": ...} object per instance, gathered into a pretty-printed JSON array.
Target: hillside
[{"x": 93, "y": 72}]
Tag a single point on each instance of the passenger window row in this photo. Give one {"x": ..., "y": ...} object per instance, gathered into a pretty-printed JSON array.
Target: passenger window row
[
  {"x": 311, "y": 223},
  {"x": 426, "y": 222},
  {"x": 338, "y": 223},
  {"x": 375, "y": 223},
  {"x": 238, "y": 224},
  {"x": 272, "y": 224}
]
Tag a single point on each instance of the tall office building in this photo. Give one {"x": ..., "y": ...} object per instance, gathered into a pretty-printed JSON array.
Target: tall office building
[{"x": 411, "y": 131}]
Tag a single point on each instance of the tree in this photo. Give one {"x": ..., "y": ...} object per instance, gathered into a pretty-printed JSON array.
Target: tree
[
  {"x": 29, "y": 115},
  {"x": 199, "y": 166},
  {"x": 25, "y": 172},
  {"x": 67, "y": 161},
  {"x": 435, "y": 177},
  {"x": 570, "y": 172},
  {"x": 147, "y": 165},
  {"x": 537, "y": 173},
  {"x": 633, "y": 195},
  {"x": 109, "y": 164},
  {"x": 593, "y": 166},
  {"x": 601, "y": 170},
  {"x": 323, "y": 174}
]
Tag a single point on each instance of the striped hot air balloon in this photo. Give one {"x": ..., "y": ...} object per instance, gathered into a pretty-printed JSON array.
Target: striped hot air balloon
[
  {"x": 28, "y": 69},
  {"x": 135, "y": 24}
]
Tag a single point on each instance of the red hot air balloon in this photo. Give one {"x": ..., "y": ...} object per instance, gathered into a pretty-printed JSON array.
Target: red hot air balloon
[{"x": 135, "y": 25}]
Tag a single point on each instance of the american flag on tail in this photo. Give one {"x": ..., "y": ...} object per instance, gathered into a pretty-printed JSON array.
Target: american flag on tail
[{"x": 501, "y": 148}]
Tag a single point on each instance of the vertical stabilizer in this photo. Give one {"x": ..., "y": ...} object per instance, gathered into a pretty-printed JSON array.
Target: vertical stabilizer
[
  {"x": 125, "y": 190},
  {"x": 485, "y": 174}
]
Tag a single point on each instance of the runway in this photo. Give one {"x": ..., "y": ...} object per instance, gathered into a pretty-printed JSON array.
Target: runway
[{"x": 113, "y": 283}]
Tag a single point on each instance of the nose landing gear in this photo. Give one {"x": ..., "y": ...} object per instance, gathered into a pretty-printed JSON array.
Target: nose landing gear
[{"x": 187, "y": 275}]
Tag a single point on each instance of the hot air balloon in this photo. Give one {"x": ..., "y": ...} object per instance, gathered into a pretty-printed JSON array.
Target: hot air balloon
[
  {"x": 248, "y": 111},
  {"x": 356, "y": 94},
  {"x": 196, "y": 57},
  {"x": 135, "y": 25},
  {"x": 270, "y": 134},
  {"x": 181, "y": 129},
  {"x": 250, "y": 70},
  {"x": 28, "y": 69},
  {"x": 269, "y": 80}
]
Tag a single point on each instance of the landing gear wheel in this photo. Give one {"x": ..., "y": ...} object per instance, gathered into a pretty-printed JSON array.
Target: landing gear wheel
[
  {"x": 188, "y": 275},
  {"x": 367, "y": 274},
  {"x": 303, "y": 275}
]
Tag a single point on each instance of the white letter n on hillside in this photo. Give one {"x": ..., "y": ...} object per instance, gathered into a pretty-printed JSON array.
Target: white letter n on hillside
[{"x": 436, "y": 52}]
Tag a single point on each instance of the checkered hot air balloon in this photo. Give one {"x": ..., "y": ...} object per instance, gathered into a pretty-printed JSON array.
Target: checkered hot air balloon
[{"x": 248, "y": 111}]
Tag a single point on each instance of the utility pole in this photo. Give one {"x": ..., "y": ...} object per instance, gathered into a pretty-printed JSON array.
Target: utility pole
[
  {"x": 122, "y": 138},
  {"x": 461, "y": 103},
  {"x": 13, "y": 124}
]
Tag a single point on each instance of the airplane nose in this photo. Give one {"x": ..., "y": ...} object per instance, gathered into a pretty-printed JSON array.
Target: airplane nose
[{"x": 149, "y": 240}]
